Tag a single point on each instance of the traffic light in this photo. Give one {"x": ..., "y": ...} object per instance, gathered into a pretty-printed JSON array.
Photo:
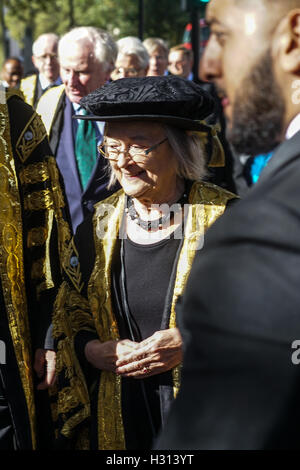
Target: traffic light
[
  {"x": 200, "y": 3},
  {"x": 192, "y": 4}
]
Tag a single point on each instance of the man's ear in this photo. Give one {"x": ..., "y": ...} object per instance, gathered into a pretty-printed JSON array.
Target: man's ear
[
  {"x": 34, "y": 61},
  {"x": 287, "y": 42}
]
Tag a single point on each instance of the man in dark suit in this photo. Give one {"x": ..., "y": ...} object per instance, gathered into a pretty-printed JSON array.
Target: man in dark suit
[
  {"x": 87, "y": 57},
  {"x": 240, "y": 313}
]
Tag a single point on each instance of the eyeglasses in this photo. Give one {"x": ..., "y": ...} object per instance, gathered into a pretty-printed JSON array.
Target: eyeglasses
[
  {"x": 112, "y": 152},
  {"x": 127, "y": 72}
]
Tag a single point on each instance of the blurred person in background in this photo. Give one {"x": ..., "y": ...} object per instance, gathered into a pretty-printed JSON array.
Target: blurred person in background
[
  {"x": 132, "y": 59},
  {"x": 12, "y": 72},
  {"x": 158, "y": 51},
  {"x": 86, "y": 56},
  {"x": 45, "y": 60},
  {"x": 181, "y": 62}
]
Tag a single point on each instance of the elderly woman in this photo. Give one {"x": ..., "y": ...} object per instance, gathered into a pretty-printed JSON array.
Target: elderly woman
[{"x": 115, "y": 318}]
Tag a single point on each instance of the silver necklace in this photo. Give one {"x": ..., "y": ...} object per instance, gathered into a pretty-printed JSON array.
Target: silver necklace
[{"x": 157, "y": 224}]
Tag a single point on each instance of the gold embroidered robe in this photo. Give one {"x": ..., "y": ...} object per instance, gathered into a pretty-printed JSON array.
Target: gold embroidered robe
[
  {"x": 87, "y": 305},
  {"x": 33, "y": 235}
]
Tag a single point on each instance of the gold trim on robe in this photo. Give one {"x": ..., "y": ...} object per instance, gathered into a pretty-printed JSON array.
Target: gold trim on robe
[
  {"x": 206, "y": 203},
  {"x": 12, "y": 265},
  {"x": 32, "y": 168}
]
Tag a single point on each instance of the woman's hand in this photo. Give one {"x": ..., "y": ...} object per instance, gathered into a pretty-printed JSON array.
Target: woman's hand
[
  {"x": 105, "y": 355},
  {"x": 159, "y": 353}
]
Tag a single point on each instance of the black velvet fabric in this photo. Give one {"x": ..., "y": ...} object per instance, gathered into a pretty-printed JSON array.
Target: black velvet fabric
[{"x": 170, "y": 99}]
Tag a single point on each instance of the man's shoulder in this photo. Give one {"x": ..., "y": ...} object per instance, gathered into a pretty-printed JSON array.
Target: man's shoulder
[
  {"x": 28, "y": 87},
  {"x": 20, "y": 113},
  {"x": 283, "y": 156},
  {"x": 15, "y": 102},
  {"x": 31, "y": 79},
  {"x": 269, "y": 213},
  {"x": 49, "y": 104},
  {"x": 51, "y": 96},
  {"x": 27, "y": 131}
]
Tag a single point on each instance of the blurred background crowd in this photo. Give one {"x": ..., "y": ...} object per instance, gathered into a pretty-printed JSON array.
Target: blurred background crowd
[{"x": 167, "y": 19}]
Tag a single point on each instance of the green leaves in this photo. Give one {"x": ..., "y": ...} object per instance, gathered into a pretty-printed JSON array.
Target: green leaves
[{"x": 163, "y": 18}]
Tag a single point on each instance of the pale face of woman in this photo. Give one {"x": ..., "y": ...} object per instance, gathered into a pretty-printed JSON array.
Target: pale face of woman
[{"x": 152, "y": 177}]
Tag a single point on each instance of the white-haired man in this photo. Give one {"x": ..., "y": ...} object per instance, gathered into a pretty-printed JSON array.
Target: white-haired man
[
  {"x": 44, "y": 58},
  {"x": 132, "y": 60},
  {"x": 86, "y": 57}
]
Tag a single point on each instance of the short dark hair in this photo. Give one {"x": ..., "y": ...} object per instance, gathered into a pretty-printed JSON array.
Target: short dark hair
[
  {"x": 187, "y": 52},
  {"x": 13, "y": 58}
]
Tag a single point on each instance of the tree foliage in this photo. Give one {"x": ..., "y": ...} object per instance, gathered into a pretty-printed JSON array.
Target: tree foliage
[{"x": 162, "y": 18}]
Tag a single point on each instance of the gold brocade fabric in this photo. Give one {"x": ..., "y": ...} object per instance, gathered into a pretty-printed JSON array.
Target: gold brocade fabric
[
  {"x": 14, "y": 92},
  {"x": 33, "y": 134},
  {"x": 70, "y": 315},
  {"x": 11, "y": 264},
  {"x": 110, "y": 422},
  {"x": 206, "y": 203},
  {"x": 32, "y": 215}
]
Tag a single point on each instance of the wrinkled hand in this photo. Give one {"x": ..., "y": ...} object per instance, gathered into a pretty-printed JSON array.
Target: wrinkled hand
[
  {"x": 44, "y": 365},
  {"x": 104, "y": 356},
  {"x": 159, "y": 353}
]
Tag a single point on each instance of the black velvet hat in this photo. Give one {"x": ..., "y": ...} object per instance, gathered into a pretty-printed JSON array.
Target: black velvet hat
[{"x": 169, "y": 99}]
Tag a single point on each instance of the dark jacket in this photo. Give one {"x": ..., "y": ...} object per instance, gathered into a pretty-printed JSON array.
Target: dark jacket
[
  {"x": 81, "y": 202},
  {"x": 239, "y": 317}
]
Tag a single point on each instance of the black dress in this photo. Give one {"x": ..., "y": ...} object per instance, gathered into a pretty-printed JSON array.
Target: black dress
[{"x": 147, "y": 274}]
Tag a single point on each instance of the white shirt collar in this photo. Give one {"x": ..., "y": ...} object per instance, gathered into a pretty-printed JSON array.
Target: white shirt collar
[
  {"x": 45, "y": 83},
  {"x": 293, "y": 128},
  {"x": 76, "y": 107},
  {"x": 78, "y": 110}
]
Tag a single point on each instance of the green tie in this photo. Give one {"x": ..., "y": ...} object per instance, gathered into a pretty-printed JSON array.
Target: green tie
[{"x": 85, "y": 149}]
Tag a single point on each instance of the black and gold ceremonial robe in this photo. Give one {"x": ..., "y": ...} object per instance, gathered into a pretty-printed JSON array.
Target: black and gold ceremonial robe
[
  {"x": 33, "y": 233},
  {"x": 84, "y": 306}
]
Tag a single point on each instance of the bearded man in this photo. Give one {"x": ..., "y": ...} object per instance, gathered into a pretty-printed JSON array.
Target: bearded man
[{"x": 239, "y": 317}]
